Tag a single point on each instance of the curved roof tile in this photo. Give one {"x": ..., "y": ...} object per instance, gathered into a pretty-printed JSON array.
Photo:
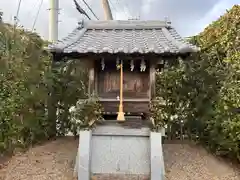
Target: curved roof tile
[{"x": 123, "y": 36}]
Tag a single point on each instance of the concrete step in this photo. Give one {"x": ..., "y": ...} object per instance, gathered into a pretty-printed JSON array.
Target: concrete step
[
  {"x": 131, "y": 122},
  {"x": 119, "y": 177}
]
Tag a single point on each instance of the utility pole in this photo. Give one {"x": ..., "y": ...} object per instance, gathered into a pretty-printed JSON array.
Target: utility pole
[
  {"x": 107, "y": 10},
  {"x": 53, "y": 20}
]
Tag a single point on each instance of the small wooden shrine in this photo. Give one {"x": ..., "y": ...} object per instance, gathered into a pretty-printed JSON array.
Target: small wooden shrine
[{"x": 122, "y": 57}]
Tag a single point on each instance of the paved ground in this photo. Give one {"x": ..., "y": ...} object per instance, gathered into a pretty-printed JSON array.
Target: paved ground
[{"x": 54, "y": 160}]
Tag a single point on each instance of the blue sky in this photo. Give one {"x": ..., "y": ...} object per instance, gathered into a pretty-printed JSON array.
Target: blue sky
[{"x": 189, "y": 17}]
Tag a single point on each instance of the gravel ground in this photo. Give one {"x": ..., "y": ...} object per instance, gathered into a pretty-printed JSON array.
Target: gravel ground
[
  {"x": 55, "y": 160},
  {"x": 51, "y": 161},
  {"x": 192, "y": 162}
]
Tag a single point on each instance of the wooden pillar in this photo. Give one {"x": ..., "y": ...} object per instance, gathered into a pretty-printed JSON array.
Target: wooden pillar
[
  {"x": 152, "y": 77},
  {"x": 96, "y": 82},
  {"x": 91, "y": 82}
]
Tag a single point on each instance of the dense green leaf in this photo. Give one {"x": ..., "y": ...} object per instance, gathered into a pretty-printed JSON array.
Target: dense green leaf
[{"x": 204, "y": 90}]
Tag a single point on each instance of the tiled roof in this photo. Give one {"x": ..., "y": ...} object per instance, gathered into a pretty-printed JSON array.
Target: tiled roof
[{"x": 123, "y": 37}]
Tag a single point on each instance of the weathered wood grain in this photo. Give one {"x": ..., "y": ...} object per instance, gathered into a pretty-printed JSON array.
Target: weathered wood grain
[
  {"x": 131, "y": 107},
  {"x": 135, "y": 83}
]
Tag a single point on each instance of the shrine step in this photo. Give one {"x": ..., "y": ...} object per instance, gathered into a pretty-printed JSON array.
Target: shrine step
[
  {"x": 133, "y": 122},
  {"x": 119, "y": 177}
]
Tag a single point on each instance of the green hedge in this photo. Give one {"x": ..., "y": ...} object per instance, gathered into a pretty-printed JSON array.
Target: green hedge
[
  {"x": 34, "y": 92},
  {"x": 23, "y": 88},
  {"x": 204, "y": 89}
]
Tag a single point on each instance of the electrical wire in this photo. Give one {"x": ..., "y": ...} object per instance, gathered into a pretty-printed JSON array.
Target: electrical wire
[
  {"x": 90, "y": 9},
  {"x": 18, "y": 9},
  {"x": 112, "y": 5},
  {"x": 125, "y": 5},
  {"x": 124, "y": 8},
  {"x": 129, "y": 10},
  {"x": 81, "y": 10},
  {"x": 35, "y": 20}
]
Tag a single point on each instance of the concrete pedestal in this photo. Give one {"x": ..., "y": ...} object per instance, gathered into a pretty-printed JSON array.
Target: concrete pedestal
[
  {"x": 113, "y": 151},
  {"x": 157, "y": 161},
  {"x": 83, "y": 158}
]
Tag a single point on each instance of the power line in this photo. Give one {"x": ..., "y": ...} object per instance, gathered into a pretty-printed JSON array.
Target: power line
[
  {"x": 18, "y": 9},
  {"x": 125, "y": 5},
  {"x": 90, "y": 9},
  {"x": 35, "y": 20},
  {"x": 124, "y": 8},
  {"x": 136, "y": 15},
  {"x": 81, "y": 10},
  {"x": 113, "y": 5}
]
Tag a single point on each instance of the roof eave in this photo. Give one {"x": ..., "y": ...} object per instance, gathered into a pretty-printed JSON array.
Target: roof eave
[
  {"x": 81, "y": 54},
  {"x": 186, "y": 50}
]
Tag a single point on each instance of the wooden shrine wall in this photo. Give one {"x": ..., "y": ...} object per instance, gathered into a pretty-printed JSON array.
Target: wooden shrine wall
[
  {"x": 135, "y": 83},
  {"x": 136, "y": 87}
]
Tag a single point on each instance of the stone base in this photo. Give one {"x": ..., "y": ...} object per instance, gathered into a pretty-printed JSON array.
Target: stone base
[
  {"x": 118, "y": 144},
  {"x": 119, "y": 177},
  {"x": 82, "y": 165},
  {"x": 157, "y": 162},
  {"x": 120, "y": 150}
]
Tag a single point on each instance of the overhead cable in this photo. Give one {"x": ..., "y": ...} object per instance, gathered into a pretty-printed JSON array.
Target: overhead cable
[
  {"x": 35, "y": 20},
  {"x": 90, "y": 9},
  {"x": 81, "y": 10},
  {"x": 18, "y": 9}
]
